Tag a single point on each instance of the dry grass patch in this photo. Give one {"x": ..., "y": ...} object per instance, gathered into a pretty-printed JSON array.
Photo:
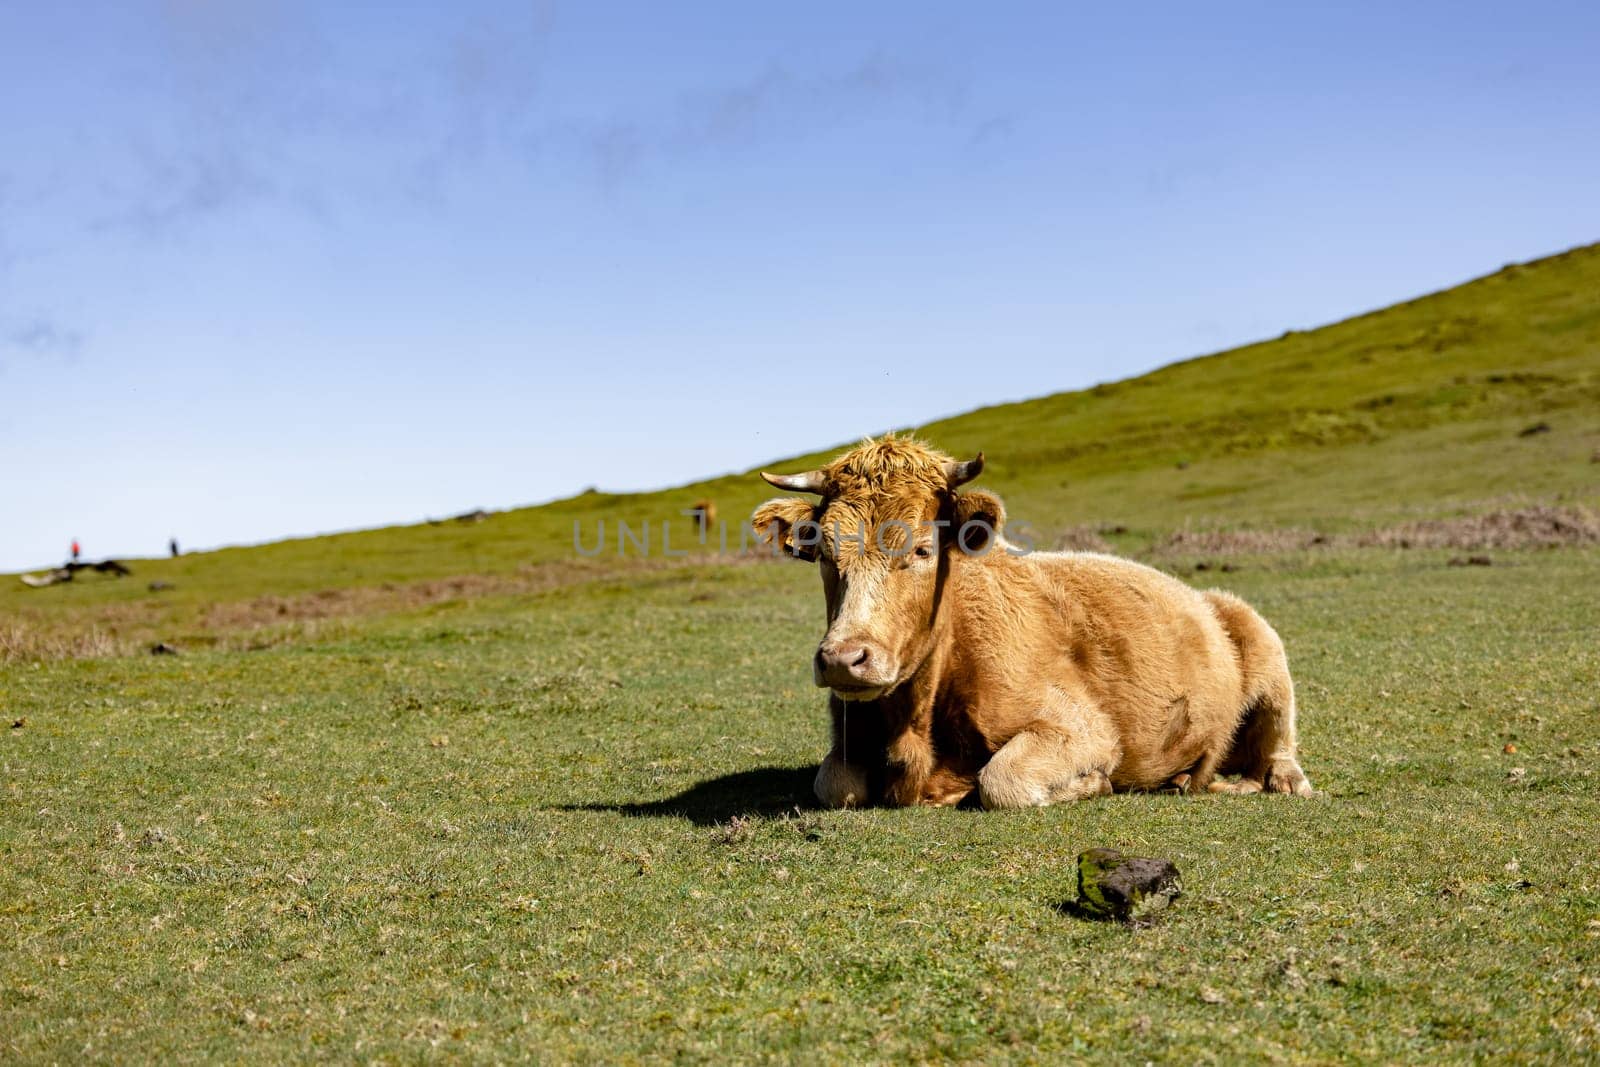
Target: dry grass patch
[
  {"x": 26, "y": 644},
  {"x": 1238, "y": 542},
  {"x": 1083, "y": 539},
  {"x": 1541, "y": 526},
  {"x": 1535, "y": 526}
]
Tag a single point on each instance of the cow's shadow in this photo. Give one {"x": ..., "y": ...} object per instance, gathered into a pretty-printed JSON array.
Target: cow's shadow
[{"x": 765, "y": 792}]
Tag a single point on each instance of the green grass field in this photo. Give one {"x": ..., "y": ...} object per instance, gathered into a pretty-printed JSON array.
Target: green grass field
[{"x": 446, "y": 791}]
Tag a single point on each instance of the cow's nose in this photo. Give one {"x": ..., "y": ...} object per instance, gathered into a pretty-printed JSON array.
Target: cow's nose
[{"x": 843, "y": 664}]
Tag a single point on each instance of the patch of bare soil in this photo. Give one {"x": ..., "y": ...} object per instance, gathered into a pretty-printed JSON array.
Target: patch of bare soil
[
  {"x": 1537, "y": 526},
  {"x": 1083, "y": 539},
  {"x": 1238, "y": 542},
  {"x": 1543, "y": 526}
]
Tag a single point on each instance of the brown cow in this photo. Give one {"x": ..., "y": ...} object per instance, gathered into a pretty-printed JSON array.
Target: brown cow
[
  {"x": 705, "y": 516},
  {"x": 958, "y": 662}
]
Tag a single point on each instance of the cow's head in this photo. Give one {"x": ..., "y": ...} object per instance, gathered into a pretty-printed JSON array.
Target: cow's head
[{"x": 885, "y": 533}]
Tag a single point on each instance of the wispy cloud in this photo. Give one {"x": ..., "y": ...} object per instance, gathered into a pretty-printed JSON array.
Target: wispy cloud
[
  {"x": 186, "y": 187},
  {"x": 263, "y": 106},
  {"x": 254, "y": 104},
  {"x": 36, "y": 334},
  {"x": 775, "y": 103},
  {"x": 260, "y": 94},
  {"x": 992, "y": 130},
  {"x": 43, "y": 336}
]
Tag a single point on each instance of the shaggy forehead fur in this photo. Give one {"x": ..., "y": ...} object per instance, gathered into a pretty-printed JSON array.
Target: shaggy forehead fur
[
  {"x": 878, "y": 485},
  {"x": 901, "y": 468}
]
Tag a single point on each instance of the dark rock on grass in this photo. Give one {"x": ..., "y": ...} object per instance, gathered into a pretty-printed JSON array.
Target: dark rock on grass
[
  {"x": 1127, "y": 889},
  {"x": 161, "y": 648},
  {"x": 1471, "y": 561},
  {"x": 1536, "y": 428}
]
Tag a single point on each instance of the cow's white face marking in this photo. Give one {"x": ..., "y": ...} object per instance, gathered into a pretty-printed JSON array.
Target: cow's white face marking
[{"x": 880, "y": 601}]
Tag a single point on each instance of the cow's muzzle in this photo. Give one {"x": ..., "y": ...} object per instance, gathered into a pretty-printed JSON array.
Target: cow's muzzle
[{"x": 854, "y": 670}]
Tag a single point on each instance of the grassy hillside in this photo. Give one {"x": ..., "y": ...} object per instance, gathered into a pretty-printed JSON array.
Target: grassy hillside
[
  {"x": 447, "y": 791},
  {"x": 1413, "y": 410}
]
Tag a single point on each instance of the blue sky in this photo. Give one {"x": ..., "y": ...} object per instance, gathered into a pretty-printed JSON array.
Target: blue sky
[{"x": 270, "y": 269}]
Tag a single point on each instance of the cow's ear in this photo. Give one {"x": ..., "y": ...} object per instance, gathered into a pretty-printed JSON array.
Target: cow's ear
[
  {"x": 788, "y": 525},
  {"x": 978, "y": 518}
]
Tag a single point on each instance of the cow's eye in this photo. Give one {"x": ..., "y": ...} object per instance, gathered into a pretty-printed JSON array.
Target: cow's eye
[{"x": 923, "y": 552}]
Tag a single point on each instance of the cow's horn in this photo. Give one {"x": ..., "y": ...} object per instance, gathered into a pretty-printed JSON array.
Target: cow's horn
[
  {"x": 809, "y": 482},
  {"x": 960, "y": 472}
]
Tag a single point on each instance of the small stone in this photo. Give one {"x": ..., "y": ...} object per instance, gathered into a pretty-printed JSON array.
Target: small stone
[
  {"x": 1128, "y": 889},
  {"x": 161, "y": 648}
]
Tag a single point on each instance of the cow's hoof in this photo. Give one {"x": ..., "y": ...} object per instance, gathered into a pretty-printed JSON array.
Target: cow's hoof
[
  {"x": 996, "y": 793},
  {"x": 1086, "y": 785},
  {"x": 1243, "y": 787},
  {"x": 997, "y": 790},
  {"x": 1285, "y": 776}
]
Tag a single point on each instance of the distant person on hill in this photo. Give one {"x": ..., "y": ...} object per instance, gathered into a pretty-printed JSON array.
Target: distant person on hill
[
  {"x": 172, "y": 546},
  {"x": 75, "y": 549}
]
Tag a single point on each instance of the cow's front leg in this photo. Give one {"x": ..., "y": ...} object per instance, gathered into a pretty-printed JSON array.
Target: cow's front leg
[
  {"x": 840, "y": 784},
  {"x": 1067, "y": 753},
  {"x": 858, "y": 733}
]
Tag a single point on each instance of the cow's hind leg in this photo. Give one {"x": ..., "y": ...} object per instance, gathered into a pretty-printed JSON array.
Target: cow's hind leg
[
  {"x": 1067, "y": 753},
  {"x": 1263, "y": 752}
]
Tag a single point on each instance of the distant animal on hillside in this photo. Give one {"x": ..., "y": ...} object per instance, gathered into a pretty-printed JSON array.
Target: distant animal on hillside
[
  {"x": 958, "y": 664},
  {"x": 65, "y": 573},
  {"x": 705, "y": 516}
]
